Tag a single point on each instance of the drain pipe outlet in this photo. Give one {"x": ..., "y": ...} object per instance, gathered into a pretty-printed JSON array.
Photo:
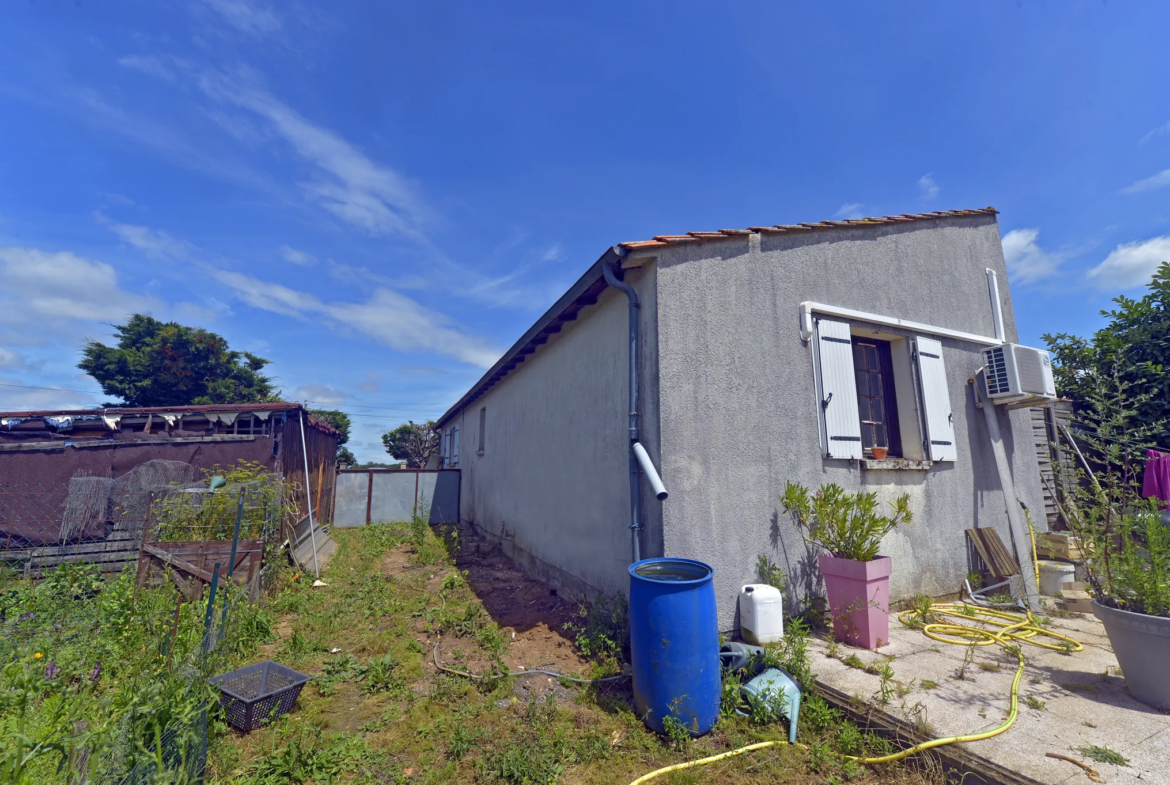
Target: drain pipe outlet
[
  {"x": 651, "y": 473},
  {"x": 632, "y": 296}
]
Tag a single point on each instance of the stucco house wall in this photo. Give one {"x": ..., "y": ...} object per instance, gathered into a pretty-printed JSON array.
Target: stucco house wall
[
  {"x": 739, "y": 411},
  {"x": 552, "y": 483},
  {"x": 730, "y": 411}
]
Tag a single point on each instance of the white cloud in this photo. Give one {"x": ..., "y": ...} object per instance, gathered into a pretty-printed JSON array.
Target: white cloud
[
  {"x": 318, "y": 395},
  {"x": 1160, "y": 180},
  {"x": 151, "y": 66},
  {"x": 297, "y": 257},
  {"x": 348, "y": 184},
  {"x": 1162, "y": 129},
  {"x": 50, "y": 292},
  {"x": 1131, "y": 264},
  {"x": 371, "y": 385},
  {"x": 388, "y": 317},
  {"x": 248, "y": 17},
  {"x": 10, "y": 358},
  {"x": 1026, "y": 260},
  {"x": 928, "y": 186},
  {"x": 850, "y": 210},
  {"x": 155, "y": 243},
  {"x": 554, "y": 253},
  {"x": 16, "y": 395}
]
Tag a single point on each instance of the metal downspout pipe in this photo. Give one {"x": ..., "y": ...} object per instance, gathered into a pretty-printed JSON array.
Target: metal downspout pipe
[{"x": 638, "y": 454}]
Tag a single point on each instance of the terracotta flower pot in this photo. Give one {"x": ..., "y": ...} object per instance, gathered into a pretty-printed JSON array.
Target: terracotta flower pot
[
  {"x": 859, "y": 599},
  {"x": 879, "y": 453}
]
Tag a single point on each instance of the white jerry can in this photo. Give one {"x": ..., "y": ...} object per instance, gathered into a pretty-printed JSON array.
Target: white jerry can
[{"x": 761, "y": 614}]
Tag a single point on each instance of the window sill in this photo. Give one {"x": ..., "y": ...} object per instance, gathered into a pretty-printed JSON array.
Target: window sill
[{"x": 895, "y": 464}]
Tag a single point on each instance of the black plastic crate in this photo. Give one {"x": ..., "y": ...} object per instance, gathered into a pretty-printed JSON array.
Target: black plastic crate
[{"x": 254, "y": 695}]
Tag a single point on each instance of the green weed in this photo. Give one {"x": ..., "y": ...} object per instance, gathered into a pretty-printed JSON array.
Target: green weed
[{"x": 1104, "y": 755}]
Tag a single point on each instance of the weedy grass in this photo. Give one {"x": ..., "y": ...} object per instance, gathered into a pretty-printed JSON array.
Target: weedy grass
[
  {"x": 379, "y": 711},
  {"x": 94, "y": 667}
]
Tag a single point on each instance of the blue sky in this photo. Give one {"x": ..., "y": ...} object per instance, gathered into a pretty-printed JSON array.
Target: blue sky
[{"x": 380, "y": 197}]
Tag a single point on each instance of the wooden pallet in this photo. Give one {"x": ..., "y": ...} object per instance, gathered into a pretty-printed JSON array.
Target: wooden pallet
[
  {"x": 191, "y": 564},
  {"x": 110, "y": 554},
  {"x": 1059, "y": 545}
]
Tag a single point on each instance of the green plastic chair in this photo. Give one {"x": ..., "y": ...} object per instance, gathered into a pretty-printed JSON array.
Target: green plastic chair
[{"x": 781, "y": 692}]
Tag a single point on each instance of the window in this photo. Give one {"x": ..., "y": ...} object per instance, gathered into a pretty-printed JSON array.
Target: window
[
  {"x": 876, "y": 406},
  {"x": 880, "y": 389},
  {"x": 482, "y": 427}
]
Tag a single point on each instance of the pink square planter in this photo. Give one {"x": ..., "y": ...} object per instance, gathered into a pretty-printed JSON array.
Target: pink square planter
[{"x": 859, "y": 599}]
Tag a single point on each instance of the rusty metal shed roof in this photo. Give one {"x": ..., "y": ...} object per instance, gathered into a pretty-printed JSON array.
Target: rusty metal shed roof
[
  {"x": 590, "y": 285},
  {"x": 277, "y": 406}
]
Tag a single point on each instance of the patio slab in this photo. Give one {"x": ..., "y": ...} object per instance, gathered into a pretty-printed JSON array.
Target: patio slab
[{"x": 1082, "y": 701}]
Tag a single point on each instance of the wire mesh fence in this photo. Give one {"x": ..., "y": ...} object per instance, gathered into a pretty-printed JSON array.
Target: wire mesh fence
[{"x": 112, "y": 622}]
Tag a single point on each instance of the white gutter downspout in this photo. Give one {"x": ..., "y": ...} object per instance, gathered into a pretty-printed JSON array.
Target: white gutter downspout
[
  {"x": 996, "y": 308},
  {"x": 638, "y": 454}
]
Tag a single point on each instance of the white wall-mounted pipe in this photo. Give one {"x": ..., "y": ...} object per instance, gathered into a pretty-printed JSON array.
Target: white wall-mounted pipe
[
  {"x": 996, "y": 307},
  {"x": 651, "y": 473},
  {"x": 807, "y": 308},
  {"x": 1021, "y": 537},
  {"x": 308, "y": 499}
]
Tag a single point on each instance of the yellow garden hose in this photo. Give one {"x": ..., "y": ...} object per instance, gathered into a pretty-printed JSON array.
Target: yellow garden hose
[{"x": 1009, "y": 630}]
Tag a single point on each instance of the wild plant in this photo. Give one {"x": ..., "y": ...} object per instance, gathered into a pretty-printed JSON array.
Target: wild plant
[
  {"x": 1127, "y": 547},
  {"x": 845, "y": 524},
  {"x": 771, "y": 573}
]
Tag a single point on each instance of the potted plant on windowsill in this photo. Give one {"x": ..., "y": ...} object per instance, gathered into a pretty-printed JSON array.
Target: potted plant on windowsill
[
  {"x": 857, "y": 579},
  {"x": 1125, "y": 542}
]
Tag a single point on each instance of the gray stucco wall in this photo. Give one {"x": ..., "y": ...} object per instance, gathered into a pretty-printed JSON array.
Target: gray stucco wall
[
  {"x": 738, "y": 409},
  {"x": 552, "y": 484}
]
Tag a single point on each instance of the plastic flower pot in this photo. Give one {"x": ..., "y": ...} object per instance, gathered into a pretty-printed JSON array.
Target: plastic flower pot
[
  {"x": 859, "y": 599},
  {"x": 1142, "y": 646}
]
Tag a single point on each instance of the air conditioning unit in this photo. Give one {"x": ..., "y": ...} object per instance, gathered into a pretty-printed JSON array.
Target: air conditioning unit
[{"x": 1017, "y": 372}]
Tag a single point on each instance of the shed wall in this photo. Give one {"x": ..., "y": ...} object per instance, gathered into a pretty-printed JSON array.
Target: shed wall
[{"x": 739, "y": 413}]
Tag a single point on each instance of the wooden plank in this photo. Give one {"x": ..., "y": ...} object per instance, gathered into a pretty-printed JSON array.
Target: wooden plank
[
  {"x": 991, "y": 549},
  {"x": 30, "y": 446},
  {"x": 174, "y": 561}
]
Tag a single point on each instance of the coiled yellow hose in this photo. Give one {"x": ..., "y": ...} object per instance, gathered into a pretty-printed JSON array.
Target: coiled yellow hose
[{"x": 1009, "y": 630}]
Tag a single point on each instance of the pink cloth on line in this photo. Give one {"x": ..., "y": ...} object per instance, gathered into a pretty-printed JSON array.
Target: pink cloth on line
[{"x": 1156, "y": 482}]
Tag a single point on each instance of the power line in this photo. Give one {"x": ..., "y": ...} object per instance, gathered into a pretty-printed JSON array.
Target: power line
[{"x": 54, "y": 389}]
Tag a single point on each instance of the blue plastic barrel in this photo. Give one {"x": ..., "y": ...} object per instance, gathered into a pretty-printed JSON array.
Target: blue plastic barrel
[{"x": 674, "y": 643}]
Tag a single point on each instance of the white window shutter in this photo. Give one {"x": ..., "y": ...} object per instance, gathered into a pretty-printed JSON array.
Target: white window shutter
[
  {"x": 838, "y": 390},
  {"x": 455, "y": 446},
  {"x": 936, "y": 400}
]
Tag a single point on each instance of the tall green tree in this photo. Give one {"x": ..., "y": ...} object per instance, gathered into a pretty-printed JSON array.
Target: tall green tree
[
  {"x": 1135, "y": 344},
  {"x": 412, "y": 443},
  {"x": 167, "y": 364},
  {"x": 340, "y": 421}
]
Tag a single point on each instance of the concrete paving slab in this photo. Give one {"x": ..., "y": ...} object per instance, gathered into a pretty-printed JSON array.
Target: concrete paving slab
[{"x": 1077, "y": 701}]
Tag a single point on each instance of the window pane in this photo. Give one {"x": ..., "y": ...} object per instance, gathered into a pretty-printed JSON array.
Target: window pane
[
  {"x": 866, "y": 436},
  {"x": 875, "y": 384},
  {"x": 862, "y": 384},
  {"x": 871, "y": 357},
  {"x": 880, "y": 436},
  {"x": 858, "y": 355},
  {"x": 877, "y": 411}
]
